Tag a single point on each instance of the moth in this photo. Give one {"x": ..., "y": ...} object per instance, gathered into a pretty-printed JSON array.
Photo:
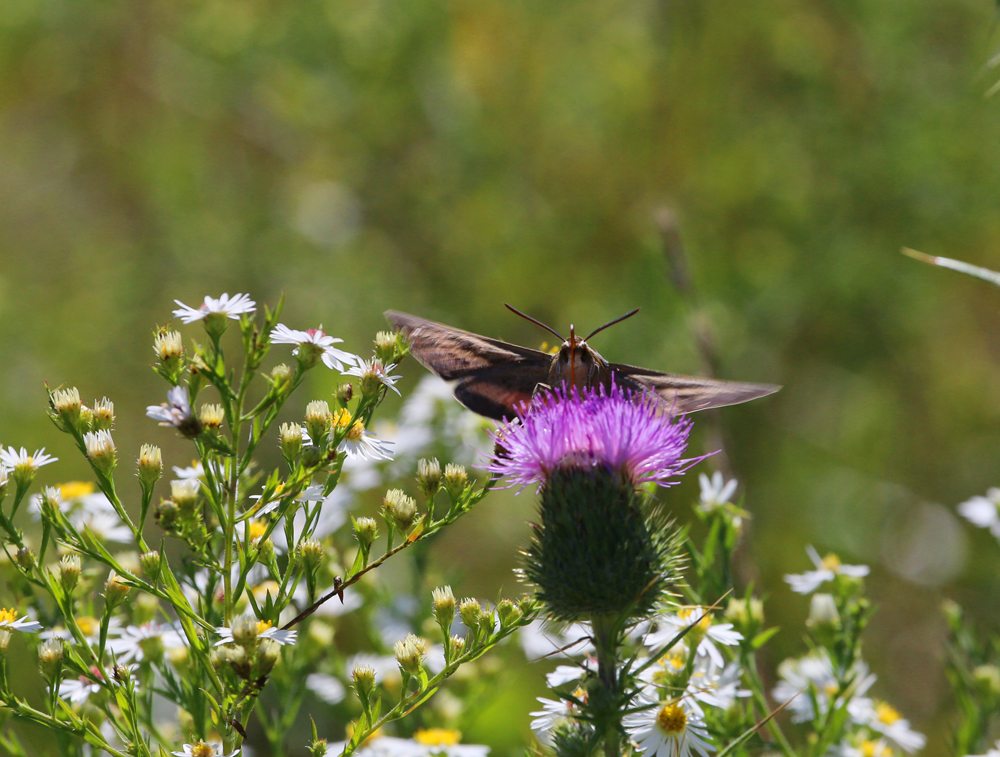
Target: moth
[{"x": 495, "y": 378}]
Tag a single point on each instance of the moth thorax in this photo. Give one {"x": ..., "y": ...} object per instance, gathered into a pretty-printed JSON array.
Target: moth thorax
[{"x": 574, "y": 365}]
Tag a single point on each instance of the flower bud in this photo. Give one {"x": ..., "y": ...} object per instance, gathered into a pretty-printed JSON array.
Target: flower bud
[
  {"x": 150, "y": 465},
  {"x": 365, "y": 531},
  {"x": 144, "y": 608},
  {"x": 444, "y": 607},
  {"x": 364, "y": 682},
  {"x": 103, "y": 415},
  {"x": 4, "y": 641},
  {"x": 69, "y": 572},
  {"x": 508, "y": 613},
  {"x": 410, "y": 654},
  {"x": 100, "y": 450},
  {"x": 311, "y": 456},
  {"x": 115, "y": 590},
  {"x": 268, "y": 655},
  {"x": 167, "y": 515},
  {"x": 290, "y": 440},
  {"x": 219, "y": 658},
  {"x": 281, "y": 377},
  {"x": 67, "y": 406},
  {"x": 823, "y": 611},
  {"x": 212, "y": 417},
  {"x": 429, "y": 477},
  {"x": 265, "y": 548},
  {"x": 311, "y": 555},
  {"x": 239, "y": 660},
  {"x": 318, "y": 421},
  {"x": 50, "y": 657},
  {"x": 747, "y": 616},
  {"x": 151, "y": 563},
  {"x": 169, "y": 349},
  {"x": 400, "y": 508},
  {"x": 184, "y": 492},
  {"x": 4, "y": 479},
  {"x": 245, "y": 630},
  {"x": 986, "y": 682},
  {"x": 344, "y": 394},
  {"x": 455, "y": 480},
  {"x": 318, "y": 747},
  {"x": 470, "y": 610},
  {"x": 385, "y": 346},
  {"x": 456, "y": 645},
  {"x": 26, "y": 559},
  {"x": 121, "y": 673}
]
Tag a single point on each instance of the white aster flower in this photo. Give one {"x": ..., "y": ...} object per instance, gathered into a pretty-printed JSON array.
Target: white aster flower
[
  {"x": 88, "y": 625},
  {"x": 22, "y": 462},
  {"x": 326, "y": 687},
  {"x": 827, "y": 569},
  {"x": 77, "y": 690},
  {"x": 426, "y": 743},
  {"x": 203, "y": 749},
  {"x": 539, "y": 641},
  {"x": 231, "y": 307},
  {"x": 374, "y": 370},
  {"x": 553, "y": 712},
  {"x": 983, "y": 511},
  {"x": 712, "y": 633},
  {"x": 107, "y": 527},
  {"x": 333, "y": 358},
  {"x": 136, "y": 641},
  {"x": 715, "y": 491},
  {"x": 566, "y": 673},
  {"x": 866, "y": 748},
  {"x": 10, "y": 622},
  {"x": 176, "y": 411},
  {"x": 265, "y": 631},
  {"x": 197, "y": 470},
  {"x": 363, "y": 444},
  {"x": 884, "y": 719},
  {"x": 813, "y": 678},
  {"x": 669, "y": 729}
]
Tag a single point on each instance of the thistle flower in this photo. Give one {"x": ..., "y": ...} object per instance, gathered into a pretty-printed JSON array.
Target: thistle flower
[
  {"x": 312, "y": 344},
  {"x": 598, "y": 551}
]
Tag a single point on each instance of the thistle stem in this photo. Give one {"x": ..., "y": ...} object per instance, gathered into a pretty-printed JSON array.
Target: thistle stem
[{"x": 606, "y": 644}]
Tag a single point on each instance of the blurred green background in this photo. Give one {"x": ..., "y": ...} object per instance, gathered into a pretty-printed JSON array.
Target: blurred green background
[{"x": 445, "y": 157}]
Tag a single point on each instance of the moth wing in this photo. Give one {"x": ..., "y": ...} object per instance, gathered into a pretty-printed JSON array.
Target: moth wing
[
  {"x": 498, "y": 392},
  {"x": 491, "y": 377},
  {"x": 688, "y": 394}
]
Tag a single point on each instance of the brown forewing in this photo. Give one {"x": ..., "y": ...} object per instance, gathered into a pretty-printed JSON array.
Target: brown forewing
[{"x": 687, "y": 394}]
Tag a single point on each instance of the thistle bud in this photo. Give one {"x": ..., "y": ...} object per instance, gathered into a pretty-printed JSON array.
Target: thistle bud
[
  {"x": 400, "y": 508},
  {"x": 50, "y": 657},
  {"x": 100, "y": 450},
  {"x": 508, "y": 613},
  {"x": 385, "y": 346},
  {"x": 151, "y": 563},
  {"x": 67, "y": 406},
  {"x": 364, "y": 682},
  {"x": 344, "y": 394},
  {"x": 150, "y": 465},
  {"x": 470, "y": 610},
  {"x": 410, "y": 654},
  {"x": 69, "y": 572},
  {"x": 318, "y": 421},
  {"x": 103, "y": 415},
  {"x": 268, "y": 655},
  {"x": 26, "y": 559},
  {"x": 290, "y": 441},
  {"x": 365, "y": 531},
  {"x": 115, "y": 590},
  {"x": 212, "y": 417},
  {"x": 444, "y": 607},
  {"x": 429, "y": 477},
  {"x": 455, "y": 480}
]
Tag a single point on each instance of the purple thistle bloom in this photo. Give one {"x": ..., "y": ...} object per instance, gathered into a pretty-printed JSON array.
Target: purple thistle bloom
[{"x": 613, "y": 428}]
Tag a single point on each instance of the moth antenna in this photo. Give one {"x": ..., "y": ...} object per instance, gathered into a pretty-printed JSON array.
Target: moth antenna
[
  {"x": 572, "y": 355},
  {"x": 535, "y": 321},
  {"x": 609, "y": 323}
]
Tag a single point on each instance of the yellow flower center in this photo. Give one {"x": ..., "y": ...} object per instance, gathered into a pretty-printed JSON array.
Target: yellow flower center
[
  {"x": 437, "y": 736},
  {"x": 886, "y": 713},
  {"x": 8, "y": 616},
  {"x": 831, "y": 562},
  {"x": 357, "y": 429},
  {"x": 73, "y": 489},
  {"x": 699, "y": 614},
  {"x": 87, "y": 625},
  {"x": 672, "y": 719},
  {"x": 263, "y": 625},
  {"x": 875, "y": 749},
  {"x": 830, "y": 689},
  {"x": 201, "y": 749},
  {"x": 257, "y": 529},
  {"x": 261, "y": 590},
  {"x": 580, "y": 694}
]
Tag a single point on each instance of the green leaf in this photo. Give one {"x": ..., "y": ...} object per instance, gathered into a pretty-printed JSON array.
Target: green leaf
[{"x": 763, "y": 637}]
